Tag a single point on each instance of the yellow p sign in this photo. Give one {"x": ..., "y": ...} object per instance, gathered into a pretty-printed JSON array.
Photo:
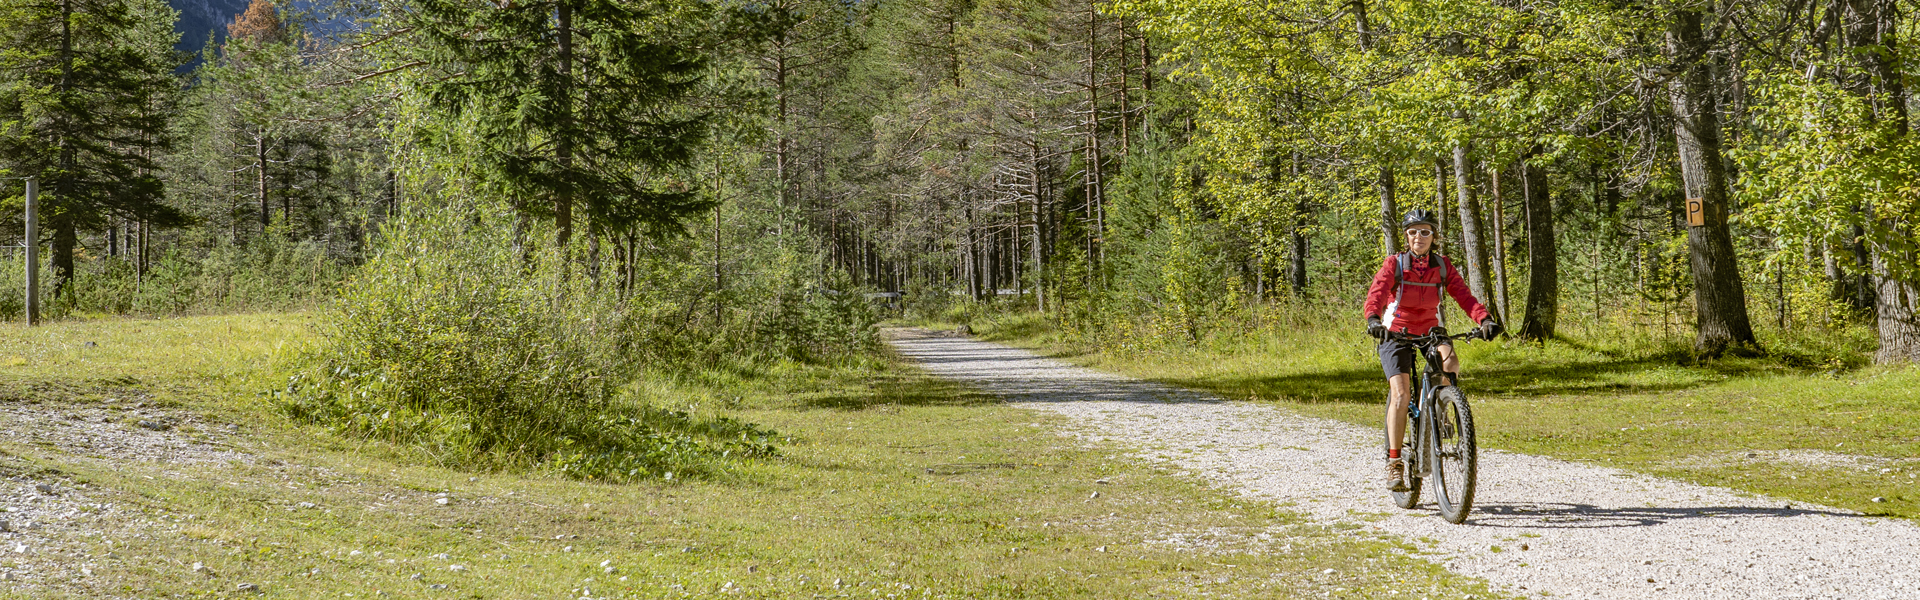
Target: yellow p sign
[{"x": 1696, "y": 212}]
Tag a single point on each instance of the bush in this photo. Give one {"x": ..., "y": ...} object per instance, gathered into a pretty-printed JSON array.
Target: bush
[{"x": 447, "y": 341}]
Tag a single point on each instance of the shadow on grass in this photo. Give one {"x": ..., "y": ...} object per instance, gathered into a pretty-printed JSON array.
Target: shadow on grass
[
  {"x": 1365, "y": 383},
  {"x": 1587, "y": 516},
  {"x": 898, "y": 390}
]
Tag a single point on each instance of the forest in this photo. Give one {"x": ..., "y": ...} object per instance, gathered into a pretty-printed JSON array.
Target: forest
[{"x": 508, "y": 207}]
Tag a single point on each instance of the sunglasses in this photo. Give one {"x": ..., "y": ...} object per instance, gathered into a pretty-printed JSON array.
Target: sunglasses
[{"x": 1419, "y": 233}]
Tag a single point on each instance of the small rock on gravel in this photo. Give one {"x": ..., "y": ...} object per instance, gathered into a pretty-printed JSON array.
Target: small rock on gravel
[
  {"x": 154, "y": 425},
  {"x": 44, "y": 488}
]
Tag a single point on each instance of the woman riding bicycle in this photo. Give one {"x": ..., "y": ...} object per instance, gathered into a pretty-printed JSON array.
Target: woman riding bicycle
[{"x": 1405, "y": 298}]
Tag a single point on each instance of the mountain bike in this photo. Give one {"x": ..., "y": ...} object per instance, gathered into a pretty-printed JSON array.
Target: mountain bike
[{"x": 1439, "y": 445}]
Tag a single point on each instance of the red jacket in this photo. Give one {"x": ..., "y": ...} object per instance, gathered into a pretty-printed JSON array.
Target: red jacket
[{"x": 1419, "y": 303}]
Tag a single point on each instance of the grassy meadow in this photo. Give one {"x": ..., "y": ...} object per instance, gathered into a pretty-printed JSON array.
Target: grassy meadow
[
  {"x": 888, "y": 484},
  {"x": 1798, "y": 424}
]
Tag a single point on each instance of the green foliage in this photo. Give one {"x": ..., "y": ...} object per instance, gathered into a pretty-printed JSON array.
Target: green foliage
[
  {"x": 268, "y": 274},
  {"x": 481, "y": 362},
  {"x": 807, "y": 323},
  {"x": 450, "y": 342},
  {"x": 1829, "y": 172},
  {"x": 532, "y": 82},
  {"x": 1168, "y": 260},
  {"x": 90, "y": 145}
]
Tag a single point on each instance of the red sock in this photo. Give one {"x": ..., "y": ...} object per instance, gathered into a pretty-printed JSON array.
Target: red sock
[{"x": 1393, "y": 453}]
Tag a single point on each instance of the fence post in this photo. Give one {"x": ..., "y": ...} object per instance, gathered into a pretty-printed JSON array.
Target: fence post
[{"x": 33, "y": 252}]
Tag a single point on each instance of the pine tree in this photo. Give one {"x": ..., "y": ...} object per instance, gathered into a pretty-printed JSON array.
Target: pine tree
[
  {"x": 78, "y": 84},
  {"x": 572, "y": 102}
]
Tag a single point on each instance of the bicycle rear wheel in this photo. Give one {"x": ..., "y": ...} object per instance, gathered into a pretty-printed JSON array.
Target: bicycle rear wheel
[
  {"x": 1455, "y": 455},
  {"x": 1411, "y": 497}
]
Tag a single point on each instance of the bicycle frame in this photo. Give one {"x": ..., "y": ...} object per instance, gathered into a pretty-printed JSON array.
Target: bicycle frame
[{"x": 1421, "y": 408}]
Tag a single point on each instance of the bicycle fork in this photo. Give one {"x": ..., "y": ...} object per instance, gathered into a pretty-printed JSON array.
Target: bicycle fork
[{"x": 1421, "y": 464}]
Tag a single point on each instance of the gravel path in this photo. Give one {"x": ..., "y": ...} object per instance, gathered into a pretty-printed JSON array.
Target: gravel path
[{"x": 1540, "y": 526}]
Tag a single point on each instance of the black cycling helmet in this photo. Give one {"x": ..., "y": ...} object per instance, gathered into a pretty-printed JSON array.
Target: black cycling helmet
[{"x": 1420, "y": 216}]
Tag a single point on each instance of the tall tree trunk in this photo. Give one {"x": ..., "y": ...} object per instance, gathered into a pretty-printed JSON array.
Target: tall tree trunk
[
  {"x": 1899, "y": 309},
  {"x": 974, "y": 284},
  {"x": 260, "y": 180},
  {"x": 1389, "y": 210},
  {"x": 1096, "y": 205},
  {"x": 1857, "y": 280},
  {"x": 1499, "y": 247},
  {"x": 1871, "y": 29},
  {"x": 1039, "y": 234},
  {"x": 1297, "y": 270},
  {"x": 1389, "y": 213},
  {"x": 1439, "y": 201},
  {"x": 563, "y": 143},
  {"x": 1719, "y": 295},
  {"x": 990, "y": 247},
  {"x": 141, "y": 270},
  {"x": 1543, "y": 259},
  {"x": 61, "y": 221},
  {"x": 1473, "y": 245}
]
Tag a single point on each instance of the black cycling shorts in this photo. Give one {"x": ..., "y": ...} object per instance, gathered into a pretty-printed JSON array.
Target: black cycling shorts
[{"x": 1397, "y": 356}]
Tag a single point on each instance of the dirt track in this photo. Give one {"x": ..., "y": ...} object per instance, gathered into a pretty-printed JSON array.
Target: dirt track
[{"x": 1540, "y": 526}]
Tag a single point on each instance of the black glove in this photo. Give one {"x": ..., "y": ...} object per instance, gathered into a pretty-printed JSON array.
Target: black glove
[
  {"x": 1490, "y": 329},
  {"x": 1375, "y": 329}
]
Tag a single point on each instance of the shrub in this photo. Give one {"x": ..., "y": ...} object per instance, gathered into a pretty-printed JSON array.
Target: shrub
[{"x": 449, "y": 342}]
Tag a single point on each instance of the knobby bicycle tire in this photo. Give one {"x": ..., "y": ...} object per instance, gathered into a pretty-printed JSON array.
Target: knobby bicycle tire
[
  {"x": 1454, "y": 453},
  {"x": 1411, "y": 497}
]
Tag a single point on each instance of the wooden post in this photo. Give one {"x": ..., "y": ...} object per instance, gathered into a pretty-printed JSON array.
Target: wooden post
[{"x": 33, "y": 252}]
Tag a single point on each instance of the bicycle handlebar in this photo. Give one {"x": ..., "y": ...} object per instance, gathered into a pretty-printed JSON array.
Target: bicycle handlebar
[{"x": 1431, "y": 337}]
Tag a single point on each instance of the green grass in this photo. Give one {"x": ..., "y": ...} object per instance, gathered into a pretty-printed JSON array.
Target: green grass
[
  {"x": 890, "y": 484},
  {"x": 1631, "y": 404}
]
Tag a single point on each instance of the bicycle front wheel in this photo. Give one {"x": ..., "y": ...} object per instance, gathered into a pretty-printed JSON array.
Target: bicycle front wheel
[{"x": 1455, "y": 455}]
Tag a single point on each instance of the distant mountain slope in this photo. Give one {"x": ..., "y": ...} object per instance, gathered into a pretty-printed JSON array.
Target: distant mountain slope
[{"x": 198, "y": 18}]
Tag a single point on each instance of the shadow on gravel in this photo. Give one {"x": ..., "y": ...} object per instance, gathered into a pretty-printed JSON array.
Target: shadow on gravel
[
  {"x": 1587, "y": 516},
  {"x": 1074, "y": 385},
  {"x": 1103, "y": 391}
]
